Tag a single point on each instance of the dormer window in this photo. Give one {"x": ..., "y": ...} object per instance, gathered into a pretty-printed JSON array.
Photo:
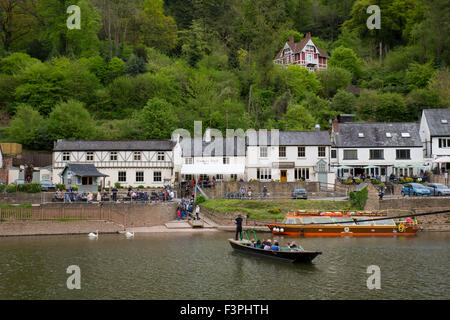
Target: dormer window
[
  {"x": 361, "y": 135},
  {"x": 388, "y": 134},
  {"x": 406, "y": 135},
  {"x": 444, "y": 121}
]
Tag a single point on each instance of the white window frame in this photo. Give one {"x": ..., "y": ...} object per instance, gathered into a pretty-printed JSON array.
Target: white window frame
[
  {"x": 66, "y": 156},
  {"x": 161, "y": 156},
  {"x": 157, "y": 176},
  {"x": 122, "y": 176},
  {"x": 137, "y": 156},
  {"x": 263, "y": 152},
  {"x": 113, "y": 156},
  {"x": 141, "y": 175}
]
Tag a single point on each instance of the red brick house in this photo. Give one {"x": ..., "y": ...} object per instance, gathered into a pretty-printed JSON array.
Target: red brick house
[{"x": 304, "y": 53}]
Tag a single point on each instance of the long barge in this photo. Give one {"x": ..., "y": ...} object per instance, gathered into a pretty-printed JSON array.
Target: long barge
[{"x": 341, "y": 224}]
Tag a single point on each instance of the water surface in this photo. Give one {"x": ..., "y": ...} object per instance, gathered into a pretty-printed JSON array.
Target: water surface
[{"x": 204, "y": 266}]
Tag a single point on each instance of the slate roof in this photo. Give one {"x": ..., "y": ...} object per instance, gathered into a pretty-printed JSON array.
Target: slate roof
[
  {"x": 83, "y": 170},
  {"x": 434, "y": 117},
  {"x": 375, "y": 135},
  {"x": 297, "y": 47},
  {"x": 110, "y": 145},
  {"x": 292, "y": 138},
  {"x": 236, "y": 147}
]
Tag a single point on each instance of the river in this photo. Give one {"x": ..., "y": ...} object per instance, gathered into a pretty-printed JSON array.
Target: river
[{"x": 204, "y": 266}]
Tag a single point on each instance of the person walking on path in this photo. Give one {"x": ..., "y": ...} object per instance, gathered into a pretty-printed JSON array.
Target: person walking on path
[
  {"x": 265, "y": 192},
  {"x": 238, "y": 222},
  {"x": 197, "y": 211}
]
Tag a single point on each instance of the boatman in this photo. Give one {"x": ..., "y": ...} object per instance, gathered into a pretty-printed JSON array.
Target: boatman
[{"x": 238, "y": 222}]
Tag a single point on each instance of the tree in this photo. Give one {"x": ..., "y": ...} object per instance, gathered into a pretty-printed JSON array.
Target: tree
[
  {"x": 333, "y": 79},
  {"x": 70, "y": 120},
  {"x": 26, "y": 126},
  {"x": 418, "y": 75},
  {"x": 135, "y": 65},
  {"x": 346, "y": 58},
  {"x": 343, "y": 102},
  {"x": 157, "y": 120},
  {"x": 298, "y": 118},
  {"x": 391, "y": 108},
  {"x": 298, "y": 81}
]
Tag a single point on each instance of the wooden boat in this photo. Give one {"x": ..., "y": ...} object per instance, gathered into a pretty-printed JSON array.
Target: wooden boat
[
  {"x": 341, "y": 224},
  {"x": 285, "y": 254}
]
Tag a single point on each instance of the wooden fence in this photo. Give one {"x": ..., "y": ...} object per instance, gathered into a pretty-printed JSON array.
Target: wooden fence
[{"x": 60, "y": 214}]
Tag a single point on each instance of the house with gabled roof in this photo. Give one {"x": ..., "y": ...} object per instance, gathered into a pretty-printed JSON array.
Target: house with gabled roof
[
  {"x": 376, "y": 149},
  {"x": 129, "y": 162},
  {"x": 304, "y": 53},
  {"x": 435, "y": 135}
]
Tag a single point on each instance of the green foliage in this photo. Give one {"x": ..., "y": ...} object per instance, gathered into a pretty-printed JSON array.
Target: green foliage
[
  {"x": 358, "y": 199},
  {"x": 157, "y": 119},
  {"x": 60, "y": 187},
  {"x": 27, "y": 126},
  {"x": 347, "y": 59},
  {"x": 200, "y": 199},
  {"x": 70, "y": 120},
  {"x": 333, "y": 79},
  {"x": 34, "y": 187}
]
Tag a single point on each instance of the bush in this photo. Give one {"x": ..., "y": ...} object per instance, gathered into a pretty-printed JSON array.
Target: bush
[
  {"x": 200, "y": 199},
  {"x": 408, "y": 180},
  {"x": 11, "y": 188},
  {"x": 75, "y": 188},
  {"x": 274, "y": 210},
  {"x": 118, "y": 185},
  {"x": 358, "y": 199},
  {"x": 33, "y": 187},
  {"x": 141, "y": 187},
  {"x": 60, "y": 187},
  {"x": 2, "y": 188}
]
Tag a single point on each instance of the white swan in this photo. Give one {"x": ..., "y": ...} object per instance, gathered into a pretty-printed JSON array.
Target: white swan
[
  {"x": 93, "y": 235},
  {"x": 129, "y": 234}
]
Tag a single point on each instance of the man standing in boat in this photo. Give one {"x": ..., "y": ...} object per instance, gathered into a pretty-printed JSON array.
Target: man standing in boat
[{"x": 238, "y": 222}]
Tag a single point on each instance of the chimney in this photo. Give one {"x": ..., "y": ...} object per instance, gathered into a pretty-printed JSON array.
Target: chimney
[
  {"x": 335, "y": 124},
  {"x": 308, "y": 36},
  {"x": 317, "y": 127}
]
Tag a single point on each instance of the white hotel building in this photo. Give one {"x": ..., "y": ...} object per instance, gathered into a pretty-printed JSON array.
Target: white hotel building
[{"x": 146, "y": 163}]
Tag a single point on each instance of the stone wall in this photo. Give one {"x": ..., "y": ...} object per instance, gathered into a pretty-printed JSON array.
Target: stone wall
[
  {"x": 128, "y": 214},
  {"x": 415, "y": 203},
  {"x": 20, "y": 198}
]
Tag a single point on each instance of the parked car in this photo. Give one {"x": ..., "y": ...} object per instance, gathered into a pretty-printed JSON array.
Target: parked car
[
  {"x": 19, "y": 181},
  {"x": 415, "y": 189},
  {"x": 47, "y": 185},
  {"x": 438, "y": 189},
  {"x": 299, "y": 194}
]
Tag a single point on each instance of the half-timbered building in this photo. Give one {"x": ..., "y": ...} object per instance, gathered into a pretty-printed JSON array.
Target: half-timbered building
[
  {"x": 146, "y": 163},
  {"x": 304, "y": 53}
]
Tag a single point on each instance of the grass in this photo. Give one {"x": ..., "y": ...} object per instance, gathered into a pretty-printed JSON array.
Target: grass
[
  {"x": 24, "y": 205},
  {"x": 271, "y": 209}
]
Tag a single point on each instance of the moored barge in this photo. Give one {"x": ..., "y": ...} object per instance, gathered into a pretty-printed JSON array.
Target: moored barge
[{"x": 341, "y": 224}]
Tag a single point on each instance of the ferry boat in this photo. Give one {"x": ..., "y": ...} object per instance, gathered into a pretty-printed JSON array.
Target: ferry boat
[{"x": 342, "y": 224}]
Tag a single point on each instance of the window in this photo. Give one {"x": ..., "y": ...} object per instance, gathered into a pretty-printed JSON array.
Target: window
[
  {"x": 232, "y": 176},
  {"x": 219, "y": 177},
  {"x": 301, "y": 152},
  {"x": 137, "y": 156},
  {"x": 388, "y": 134},
  {"x": 361, "y": 135},
  {"x": 404, "y": 154},
  {"x": 139, "y": 176},
  {"x": 161, "y": 156},
  {"x": 282, "y": 152},
  {"x": 157, "y": 176},
  {"x": 376, "y": 154},
  {"x": 444, "y": 143},
  {"x": 321, "y": 152},
  {"x": 406, "y": 135},
  {"x": 89, "y": 156},
  {"x": 333, "y": 154},
  {"x": 263, "y": 152},
  {"x": 187, "y": 177},
  {"x": 189, "y": 160},
  {"x": 226, "y": 160},
  {"x": 350, "y": 154},
  {"x": 66, "y": 156},
  {"x": 444, "y": 121},
  {"x": 264, "y": 174},
  {"x": 122, "y": 176},
  {"x": 86, "y": 180},
  {"x": 113, "y": 156},
  {"x": 301, "y": 173}
]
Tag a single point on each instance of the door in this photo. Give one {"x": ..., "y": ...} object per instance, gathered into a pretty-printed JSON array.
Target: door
[
  {"x": 322, "y": 174},
  {"x": 283, "y": 175}
]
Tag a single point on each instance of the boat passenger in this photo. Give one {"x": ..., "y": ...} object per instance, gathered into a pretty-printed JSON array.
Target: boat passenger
[
  {"x": 275, "y": 246},
  {"x": 252, "y": 244},
  {"x": 258, "y": 244},
  {"x": 292, "y": 245},
  {"x": 266, "y": 247}
]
